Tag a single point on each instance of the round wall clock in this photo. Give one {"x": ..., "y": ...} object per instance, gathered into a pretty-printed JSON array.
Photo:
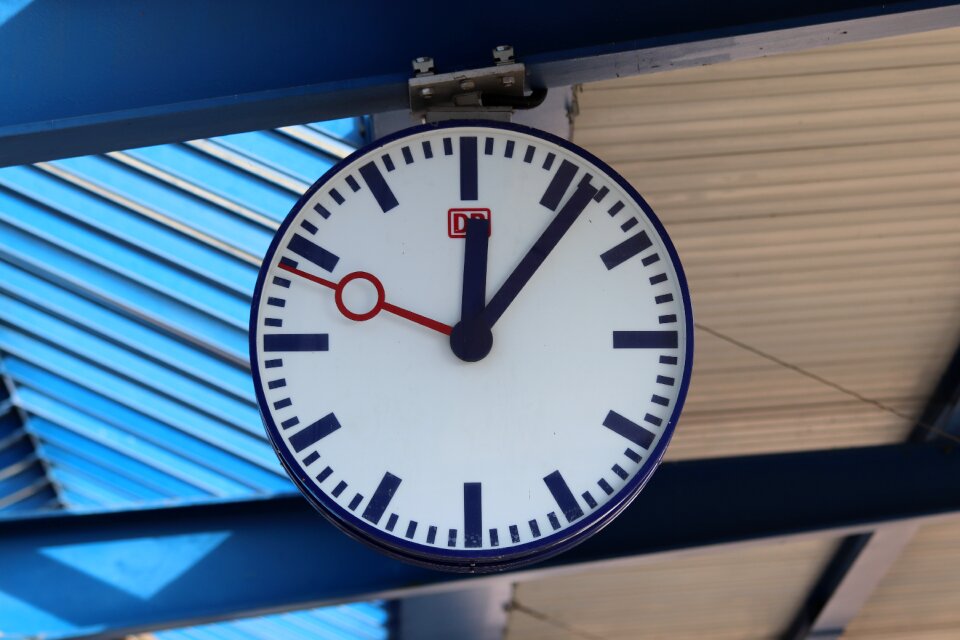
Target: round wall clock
[{"x": 470, "y": 344}]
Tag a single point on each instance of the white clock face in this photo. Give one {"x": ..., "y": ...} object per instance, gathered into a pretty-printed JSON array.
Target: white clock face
[{"x": 553, "y": 402}]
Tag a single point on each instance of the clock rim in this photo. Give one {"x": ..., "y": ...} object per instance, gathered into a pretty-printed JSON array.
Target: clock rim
[{"x": 464, "y": 560}]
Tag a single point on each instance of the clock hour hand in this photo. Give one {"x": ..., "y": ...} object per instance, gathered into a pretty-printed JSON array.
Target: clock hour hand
[
  {"x": 470, "y": 340},
  {"x": 560, "y": 224}
]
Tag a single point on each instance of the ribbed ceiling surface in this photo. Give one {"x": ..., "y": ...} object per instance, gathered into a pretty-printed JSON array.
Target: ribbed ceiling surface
[
  {"x": 813, "y": 200},
  {"x": 125, "y": 284},
  {"x": 722, "y": 595}
]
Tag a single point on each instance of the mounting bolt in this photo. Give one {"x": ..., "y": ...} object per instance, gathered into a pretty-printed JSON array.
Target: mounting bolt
[
  {"x": 507, "y": 81},
  {"x": 468, "y": 85},
  {"x": 426, "y": 92},
  {"x": 423, "y": 66},
  {"x": 503, "y": 54}
]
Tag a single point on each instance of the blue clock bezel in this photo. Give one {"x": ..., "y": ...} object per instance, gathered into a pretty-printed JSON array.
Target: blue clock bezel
[{"x": 437, "y": 557}]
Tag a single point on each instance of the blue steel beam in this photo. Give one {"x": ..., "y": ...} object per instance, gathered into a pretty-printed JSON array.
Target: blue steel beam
[
  {"x": 112, "y": 573},
  {"x": 88, "y": 77}
]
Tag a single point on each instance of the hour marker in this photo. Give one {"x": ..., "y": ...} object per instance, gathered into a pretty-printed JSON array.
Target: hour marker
[
  {"x": 281, "y": 282},
  {"x": 514, "y": 533},
  {"x": 534, "y": 528},
  {"x": 355, "y": 502},
  {"x": 381, "y": 498},
  {"x": 378, "y": 187},
  {"x": 654, "y": 420},
  {"x": 295, "y": 342},
  {"x": 635, "y": 433},
  {"x": 276, "y": 302},
  {"x": 388, "y": 162},
  {"x": 452, "y": 538},
  {"x": 615, "y": 209},
  {"x": 336, "y": 196},
  {"x": 633, "y": 455},
  {"x": 625, "y": 250},
  {"x": 313, "y": 252},
  {"x": 468, "y": 168},
  {"x": 314, "y": 433},
  {"x": 548, "y": 162},
  {"x": 427, "y": 149},
  {"x": 554, "y": 521},
  {"x": 289, "y": 423},
  {"x": 411, "y": 529},
  {"x": 431, "y": 535},
  {"x": 665, "y": 380},
  {"x": 273, "y": 322},
  {"x": 289, "y": 262},
  {"x": 600, "y": 195},
  {"x": 354, "y": 185},
  {"x": 663, "y": 402},
  {"x": 558, "y": 185},
  {"x": 645, "y": 339},
  {"x": 319, "y": 208},
  {"x": 323, "y": 475},
  {"x": 668, "y": 360},
  {"x": 649, "y": 260},
  {"x": 276, "y": 384},
  {"x": 585, "y": 180},
  {"x": 472, "y": 515},
  {"x": 667, "y": 297},
  {"x": 282, "y": 404},
  {"x": 271, "y": 364},
  {"x": 563, "y": 496},
  {"x": 508, "y": 152},
  {"x": 603, "y": 484},
  {"x": 617, "y": 469},
  {"x": 657, "y": 279},
  {"x": 447, "y": 147},
  {"x": 629, "y": 224},
  {"x": 528, "y": 154},
  {"x": 494, "y": 538},
  {"x": 589, "y": 499},
  {"x": 310, "y": 459},
  {"x": 488, "y": 147},
  {"x": 668, "y": 319},
  {"x": 337, "y": 490},
  {"x": 308, "y": 226},
  {"x": 392, "y": 521},
  {"x": 407, "y": 155}
]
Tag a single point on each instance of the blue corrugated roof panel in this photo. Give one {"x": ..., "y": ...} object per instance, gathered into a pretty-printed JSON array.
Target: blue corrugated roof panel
[{"x": 125, "y": 284}]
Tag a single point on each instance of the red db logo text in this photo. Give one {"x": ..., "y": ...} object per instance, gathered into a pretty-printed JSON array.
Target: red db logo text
[{"x": 457, "y": 221}]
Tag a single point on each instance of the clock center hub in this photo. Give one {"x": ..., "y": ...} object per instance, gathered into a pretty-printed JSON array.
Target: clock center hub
[
  {"x": 471, "y": 340},
  {"x": 360, "y": 295}
]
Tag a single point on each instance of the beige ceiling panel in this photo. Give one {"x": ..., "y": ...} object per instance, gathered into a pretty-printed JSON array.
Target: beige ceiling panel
[
  {"x": 742, "y": 594},
  {"x": 814, "y": 199},
  {"x": 920, "y": 597}
]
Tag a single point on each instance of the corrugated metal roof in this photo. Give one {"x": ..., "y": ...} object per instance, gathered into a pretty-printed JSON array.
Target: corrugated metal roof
[
  {"x": 812, "y": 198},
  {"x": 125, "y": 283},
  {"x": 728, "y": 594}
]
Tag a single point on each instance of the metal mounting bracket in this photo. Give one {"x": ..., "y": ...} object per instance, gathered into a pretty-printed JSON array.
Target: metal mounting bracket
[{"x": 490, "y": 93}]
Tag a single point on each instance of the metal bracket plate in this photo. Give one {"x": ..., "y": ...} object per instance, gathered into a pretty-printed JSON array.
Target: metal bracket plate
[{"x": 462, "y": 91}]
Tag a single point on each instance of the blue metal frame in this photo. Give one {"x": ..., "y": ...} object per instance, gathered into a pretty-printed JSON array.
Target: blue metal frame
[
  {"x": 68, "y": 575},
  {"x": 156, "y": 72},
  {"x": 467, "y": 560}
]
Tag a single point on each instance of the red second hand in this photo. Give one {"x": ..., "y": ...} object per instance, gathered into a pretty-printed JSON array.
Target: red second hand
[{"x": 382, "y": 304}]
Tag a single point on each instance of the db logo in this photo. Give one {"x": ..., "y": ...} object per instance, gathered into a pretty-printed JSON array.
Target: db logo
[{"x": 457, "y": 221}]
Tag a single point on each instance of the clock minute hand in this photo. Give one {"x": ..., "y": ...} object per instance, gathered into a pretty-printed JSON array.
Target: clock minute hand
[{"x": 559, "y": 226}]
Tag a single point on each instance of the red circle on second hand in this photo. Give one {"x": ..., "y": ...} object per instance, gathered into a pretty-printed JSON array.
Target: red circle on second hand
[{"x": 362, "y": 275}]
